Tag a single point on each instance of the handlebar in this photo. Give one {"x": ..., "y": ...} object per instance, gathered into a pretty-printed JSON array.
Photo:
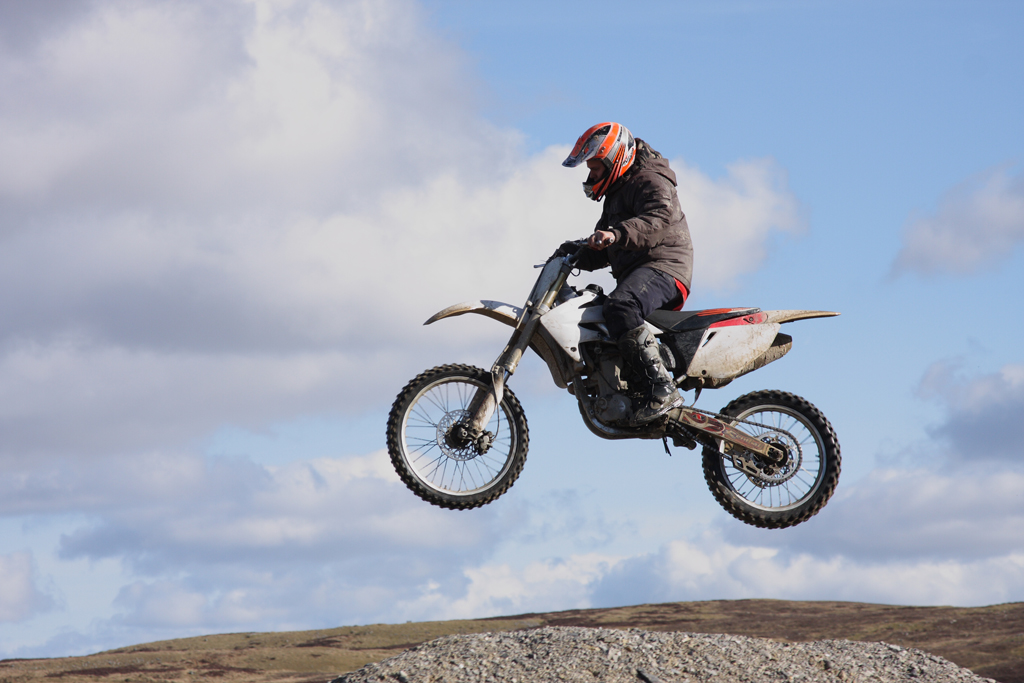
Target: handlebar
[
  {"x": 573, "y": 257},
  {"x": 570, "y": 258}
]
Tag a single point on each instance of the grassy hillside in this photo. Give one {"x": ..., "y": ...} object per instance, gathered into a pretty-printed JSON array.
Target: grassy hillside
[{"x": 987, "y": 640}]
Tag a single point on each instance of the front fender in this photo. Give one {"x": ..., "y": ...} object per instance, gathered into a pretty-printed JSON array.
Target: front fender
[
  {"x": 561, "y": 372},
  {"x": 496, "y": 310}
]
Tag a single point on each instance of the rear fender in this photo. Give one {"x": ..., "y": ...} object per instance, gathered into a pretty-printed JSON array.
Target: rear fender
[
  {"x": 790, "y": 316},
  {"x": 727, "y": 352},
  {"x": 733, "y": 348}
]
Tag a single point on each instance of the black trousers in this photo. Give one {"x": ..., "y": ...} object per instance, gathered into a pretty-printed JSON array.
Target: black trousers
[{"x": 636, "y": 296}]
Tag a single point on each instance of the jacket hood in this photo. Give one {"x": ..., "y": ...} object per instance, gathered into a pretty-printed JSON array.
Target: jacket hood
[{"x": 649, "y": 159}]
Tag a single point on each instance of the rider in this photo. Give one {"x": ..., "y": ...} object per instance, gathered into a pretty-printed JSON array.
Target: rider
[{"x": 642, "y": 234}]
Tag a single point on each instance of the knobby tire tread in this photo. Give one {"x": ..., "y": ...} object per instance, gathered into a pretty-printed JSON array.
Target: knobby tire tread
[
  {"x": 453, "y": 501},
  {"x": 832, "y": 462}
]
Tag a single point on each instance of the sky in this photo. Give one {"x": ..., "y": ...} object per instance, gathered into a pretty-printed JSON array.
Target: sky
[{"x": 222, "y": 226}]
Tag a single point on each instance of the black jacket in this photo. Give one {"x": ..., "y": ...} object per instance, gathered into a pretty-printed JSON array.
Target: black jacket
[{"x": 643, "y": 211}]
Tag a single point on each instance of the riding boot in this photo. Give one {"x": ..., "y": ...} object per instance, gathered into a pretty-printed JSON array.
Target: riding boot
[{"x": 639, "y": 348}]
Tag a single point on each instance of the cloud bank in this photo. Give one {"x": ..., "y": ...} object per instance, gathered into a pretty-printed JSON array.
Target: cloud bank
[
  {"x": 983, "y": 413},
  {"x": 978, "y": 224},
  {"x": 941, "y": 526},
  {"x": 733, "y": 219},
  {"x": 223, "y": 543},
  {"x": 237, "y": 215},
  {"x": 21, "y": 597}
]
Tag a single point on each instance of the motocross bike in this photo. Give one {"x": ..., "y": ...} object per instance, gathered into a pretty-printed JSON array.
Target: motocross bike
[{"x": 458, "y": 437}]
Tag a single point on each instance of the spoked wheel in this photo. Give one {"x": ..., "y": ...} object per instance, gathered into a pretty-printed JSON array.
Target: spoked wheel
[
  {"x": 434, "y": 454},
  {"x": 775, "y": 494}
]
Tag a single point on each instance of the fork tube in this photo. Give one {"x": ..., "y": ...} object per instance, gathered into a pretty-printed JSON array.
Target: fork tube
[
  {"x": 509, "y": 359},
  {"x": 482, "y": 407}
]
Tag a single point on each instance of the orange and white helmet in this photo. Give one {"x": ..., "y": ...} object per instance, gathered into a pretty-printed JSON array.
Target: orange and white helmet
[{"x": 613, "y": 144}]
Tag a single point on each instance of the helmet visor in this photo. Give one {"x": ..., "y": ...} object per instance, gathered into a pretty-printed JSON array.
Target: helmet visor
[{"x": 588, "y": 146}]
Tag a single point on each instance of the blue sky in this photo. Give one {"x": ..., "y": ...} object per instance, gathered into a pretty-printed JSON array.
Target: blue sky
[{"x": 221, "y": 227}]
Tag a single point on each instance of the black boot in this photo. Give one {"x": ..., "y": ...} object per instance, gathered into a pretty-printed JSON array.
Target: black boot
[{"x": 639, "y": 348}]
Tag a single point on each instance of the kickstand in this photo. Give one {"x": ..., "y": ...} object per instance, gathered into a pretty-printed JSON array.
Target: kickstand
[{"x": 664, "y": 440}]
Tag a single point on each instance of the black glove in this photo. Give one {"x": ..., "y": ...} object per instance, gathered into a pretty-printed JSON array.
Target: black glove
[{"x": 568, "y": 247}]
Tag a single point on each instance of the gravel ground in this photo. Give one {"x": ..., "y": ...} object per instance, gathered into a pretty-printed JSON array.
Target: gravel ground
[{"x": 637, "y": 656}]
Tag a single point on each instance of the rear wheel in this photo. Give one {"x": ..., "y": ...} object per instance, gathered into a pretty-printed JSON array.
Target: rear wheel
[
  {"x": 433, "y": 454},
  {"x": 775, "y": 494}
]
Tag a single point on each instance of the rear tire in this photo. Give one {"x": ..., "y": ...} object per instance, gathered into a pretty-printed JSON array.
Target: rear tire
[
  {"x": 792, "y": 493},
  {"x": 452, "y": 475}
]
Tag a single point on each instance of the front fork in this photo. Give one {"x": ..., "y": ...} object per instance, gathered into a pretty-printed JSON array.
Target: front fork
[{"x": 484, "y": 403}]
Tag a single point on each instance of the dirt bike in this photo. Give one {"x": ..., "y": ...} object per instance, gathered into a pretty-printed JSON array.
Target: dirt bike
[{"x": 458, "y": 437}]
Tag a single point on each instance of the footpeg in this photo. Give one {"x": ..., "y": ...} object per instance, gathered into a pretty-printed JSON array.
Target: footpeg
[{"x": 680, "y": 440}]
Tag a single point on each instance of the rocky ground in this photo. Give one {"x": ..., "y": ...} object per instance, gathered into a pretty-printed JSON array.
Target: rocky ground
[
  {"x": 987, "y": 640},
  {"x": 587, "y": 655}
]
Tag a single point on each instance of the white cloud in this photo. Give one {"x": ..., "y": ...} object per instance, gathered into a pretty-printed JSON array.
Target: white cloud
[
  {"x": 896, "y": 536},
  {"x": 237, "y": 214},
  {"x": 932, "y": 512},
  {"x": 982, "y": 420},
  {"x": 20, "y": 595},
  {"x": 165, "y": 603},
  {"x": 978, "y": 224},
  {"x": 181, "y": 511},
  {"x": 227, "y": 216},
  {"x": 224, "y": 543},
  {"x": 711, "y": 568},
  {"x": 501, "y": 589},
  {"x": 952, "y": 497},
  {"x": 81, "y": 400},
  {"x": 731, "y": 220},
  {"x": 186, "y": 106}
]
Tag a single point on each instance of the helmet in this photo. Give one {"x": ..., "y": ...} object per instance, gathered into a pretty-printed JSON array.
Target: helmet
[{"x": 613, "y": 144}]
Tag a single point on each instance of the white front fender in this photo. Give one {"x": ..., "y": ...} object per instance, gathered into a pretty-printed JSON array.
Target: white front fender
[
  {"x": 561, "y": 372},
  {"x": 496, "y": 310}
]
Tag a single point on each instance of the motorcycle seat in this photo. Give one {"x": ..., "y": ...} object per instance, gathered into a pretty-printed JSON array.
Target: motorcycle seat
[{"x": 681, "y": 321}]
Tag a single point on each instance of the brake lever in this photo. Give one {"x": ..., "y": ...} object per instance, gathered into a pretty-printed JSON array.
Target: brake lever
[{"x": 582, "y": 244}]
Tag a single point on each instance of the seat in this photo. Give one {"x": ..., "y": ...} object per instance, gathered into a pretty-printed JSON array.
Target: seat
[{"x": 681, "y": 321}]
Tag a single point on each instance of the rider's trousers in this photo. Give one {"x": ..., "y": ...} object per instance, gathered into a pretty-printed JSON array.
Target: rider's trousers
[{"x": 637, "y": 295}]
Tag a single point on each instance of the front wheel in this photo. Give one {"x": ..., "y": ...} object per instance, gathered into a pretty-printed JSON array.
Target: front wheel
[
  {"x": 429, "y": 450},
  {"x": 782, "y": 493}
]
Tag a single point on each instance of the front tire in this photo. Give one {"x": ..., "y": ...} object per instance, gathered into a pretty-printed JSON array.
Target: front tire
[
  {"x": 439, "y": 469},
  {"x": 774, "y": 495}
]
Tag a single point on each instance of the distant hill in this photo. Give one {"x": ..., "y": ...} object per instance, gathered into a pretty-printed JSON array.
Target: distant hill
[{"x": 987, "y": 640}]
